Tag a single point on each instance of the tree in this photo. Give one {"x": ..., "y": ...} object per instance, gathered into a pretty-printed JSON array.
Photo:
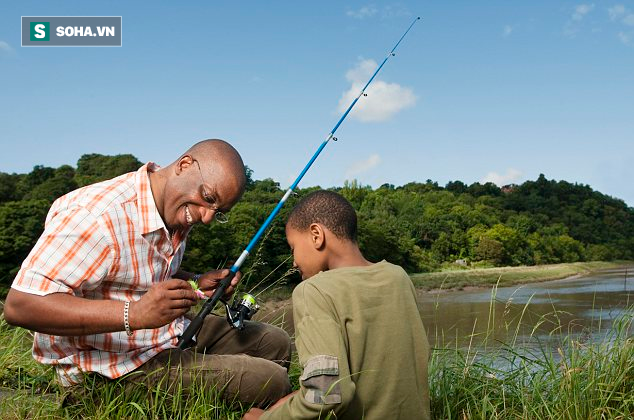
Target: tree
[
  {"x": 8, "y": 187},
  {"x": 94, "y": 167},
  {"x": 21, "y": 223},
  {"x": 61, "y": 183},
  {"x": 489, "y": 249},
  {"x": 456, "y": 187},
  {"x": 37, "y": 176}
]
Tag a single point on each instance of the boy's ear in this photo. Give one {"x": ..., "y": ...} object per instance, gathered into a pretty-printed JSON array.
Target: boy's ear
[{"x": 317, "y": 235}]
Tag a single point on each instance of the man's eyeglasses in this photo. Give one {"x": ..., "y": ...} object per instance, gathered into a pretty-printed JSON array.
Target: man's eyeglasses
[{"x": 219, "y": 216}]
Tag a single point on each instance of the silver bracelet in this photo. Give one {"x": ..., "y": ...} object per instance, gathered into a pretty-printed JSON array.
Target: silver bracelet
[{"x": 126, "y": 318}]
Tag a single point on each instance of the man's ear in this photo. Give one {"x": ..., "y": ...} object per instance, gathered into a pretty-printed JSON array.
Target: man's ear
[
  {"x": 317, "y": 235},
  {"x": 183, "y": 163}
]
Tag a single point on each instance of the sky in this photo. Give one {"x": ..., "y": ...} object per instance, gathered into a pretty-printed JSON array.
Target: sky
[{"x": 478, "y": 91}]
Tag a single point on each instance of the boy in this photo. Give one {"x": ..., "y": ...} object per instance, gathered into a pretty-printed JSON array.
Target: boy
[{"x": 359, "y": 335}]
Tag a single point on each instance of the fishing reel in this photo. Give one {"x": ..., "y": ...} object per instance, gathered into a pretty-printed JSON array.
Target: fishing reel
[{"x": 241, "y": 310}]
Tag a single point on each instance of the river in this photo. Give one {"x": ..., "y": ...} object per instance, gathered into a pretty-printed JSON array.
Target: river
[
  {"x": 525, "y": 316},
  {"x": 528, "y": 315}
]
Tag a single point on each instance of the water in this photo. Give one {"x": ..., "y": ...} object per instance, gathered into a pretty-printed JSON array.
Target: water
[
  {"x": 538, "y": 315},
  {"x": 530, "y": 318}
]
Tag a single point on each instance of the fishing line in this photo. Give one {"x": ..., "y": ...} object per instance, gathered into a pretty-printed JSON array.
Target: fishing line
[{"x": 185, "y": 340}]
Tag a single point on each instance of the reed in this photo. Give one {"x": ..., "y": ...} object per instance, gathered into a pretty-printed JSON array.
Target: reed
[
  {"x": 564, "y": 377},
  {"x": 571, "y": 379}
]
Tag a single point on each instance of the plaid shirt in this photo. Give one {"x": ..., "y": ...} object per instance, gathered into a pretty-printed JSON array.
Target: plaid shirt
[{"x": 104, "y": 241}]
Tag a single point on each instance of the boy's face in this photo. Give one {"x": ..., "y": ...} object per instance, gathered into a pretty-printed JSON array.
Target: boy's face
[{"x": 307, "y": 248}]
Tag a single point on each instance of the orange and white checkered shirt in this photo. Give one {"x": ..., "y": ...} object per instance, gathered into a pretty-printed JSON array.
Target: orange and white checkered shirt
[{"x": 104, "y": 241}]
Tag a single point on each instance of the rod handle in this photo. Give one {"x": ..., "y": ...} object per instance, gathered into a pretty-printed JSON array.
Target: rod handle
[{"x": 185, "y": 340}]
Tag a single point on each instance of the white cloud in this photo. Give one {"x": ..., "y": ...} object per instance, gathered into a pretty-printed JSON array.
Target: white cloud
[
  {"x": 507, "y": 30},
  {"x": 624, "y": 38},
  {"x": 396, "y": 11},
  {"x": 511, "y": 177},
  {"x": 363, "y": 13},
  {"x": 385, "y": 12},
  {"x": 384, "y": 100},
  {"x": 363, "y": 166},
  {"x": 620, "y": 13},
  {"x": 574, "y": 24},
  {"x": 581, "y": 11},
  {"x": 5, "y": 47},
  {"x": 616, "y": 11}
]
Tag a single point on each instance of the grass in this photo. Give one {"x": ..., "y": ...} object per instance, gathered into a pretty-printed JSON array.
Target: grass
[
  {"x": 29, "y": 391},
  {"x": 578, "y": 380},
  {"x": 506, "y": 276}
]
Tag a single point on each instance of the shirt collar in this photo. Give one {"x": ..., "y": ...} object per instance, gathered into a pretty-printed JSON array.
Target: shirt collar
[{"x": 149, "y": 217}]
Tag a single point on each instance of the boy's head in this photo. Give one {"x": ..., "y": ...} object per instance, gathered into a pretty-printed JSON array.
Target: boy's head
[{"x": 320, "y": 225}]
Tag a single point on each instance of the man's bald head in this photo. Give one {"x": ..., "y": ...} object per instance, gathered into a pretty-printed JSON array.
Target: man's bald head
[{"x": 219, "y": 152}]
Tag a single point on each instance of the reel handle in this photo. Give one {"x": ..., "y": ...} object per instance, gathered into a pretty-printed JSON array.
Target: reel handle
[{"x": 185, "y": 341}]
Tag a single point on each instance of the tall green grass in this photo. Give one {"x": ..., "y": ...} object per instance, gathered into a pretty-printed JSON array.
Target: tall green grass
[
  {"x": 29, "y": 391},
  {"x": 563, "y": 377},
  {"x": 578, "y": 380}
]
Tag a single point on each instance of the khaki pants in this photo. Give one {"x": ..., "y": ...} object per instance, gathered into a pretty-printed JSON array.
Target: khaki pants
[{"x": 248, "y": 366}]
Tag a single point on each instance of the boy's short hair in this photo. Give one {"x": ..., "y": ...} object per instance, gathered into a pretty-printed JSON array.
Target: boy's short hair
[{"x": 326, "y": 208}]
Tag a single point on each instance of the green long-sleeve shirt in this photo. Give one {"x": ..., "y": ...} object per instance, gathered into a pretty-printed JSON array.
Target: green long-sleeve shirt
[{"x": 362, "y": 346}]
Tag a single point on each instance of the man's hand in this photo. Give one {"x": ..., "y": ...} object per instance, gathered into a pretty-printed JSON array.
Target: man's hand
[
  {"x": 209, "y": 281},
  {"x": 163, "y": 303},
  {"x": 253, "y": 414}
]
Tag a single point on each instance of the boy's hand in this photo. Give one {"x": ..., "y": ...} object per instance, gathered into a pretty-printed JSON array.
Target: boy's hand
[
  {"x": 209, "y": 281},
  {"x": 282, "y": 400},
  {"x": 253, "y": 414}
]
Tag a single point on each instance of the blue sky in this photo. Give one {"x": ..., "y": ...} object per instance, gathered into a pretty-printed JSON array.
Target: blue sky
[{"x": 478, "y": 91}]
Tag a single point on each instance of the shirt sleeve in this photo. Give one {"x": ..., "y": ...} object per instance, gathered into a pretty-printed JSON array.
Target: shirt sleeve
[
  {"x": 325, "y": 385},
  {"x": 72, "y": 254}
]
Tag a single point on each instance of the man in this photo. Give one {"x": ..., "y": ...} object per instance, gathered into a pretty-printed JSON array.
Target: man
[
  {"x": 103, "y": 289},
  {"x": 358, "y": 332}
]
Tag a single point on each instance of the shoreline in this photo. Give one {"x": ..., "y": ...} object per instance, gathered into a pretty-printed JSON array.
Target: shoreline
[
  {"x": 485, "y": 278},
  {"x": 478, "y": 279},
  {"x": 463, "y": 280},
  {"x": 485, "y": 286}
]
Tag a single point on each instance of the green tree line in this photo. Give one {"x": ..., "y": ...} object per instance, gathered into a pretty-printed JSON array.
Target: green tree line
[{"x": 421, "y": 226}]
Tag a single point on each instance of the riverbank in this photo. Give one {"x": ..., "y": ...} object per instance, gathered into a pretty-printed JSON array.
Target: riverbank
[
  {"x": 508, "y": 276},
  {"x": 452, "y": 280},
  {"x": 276, "y": 307},
  {"x": 593, "y": 378},
  {"x": 589, "y": 380}
]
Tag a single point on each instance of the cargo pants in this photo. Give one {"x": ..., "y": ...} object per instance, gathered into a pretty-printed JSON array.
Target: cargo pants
[{"x": 248, "y": 366}]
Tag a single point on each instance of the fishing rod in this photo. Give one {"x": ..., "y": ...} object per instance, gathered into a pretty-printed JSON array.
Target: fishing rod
[{"x": 243, "y": 309}]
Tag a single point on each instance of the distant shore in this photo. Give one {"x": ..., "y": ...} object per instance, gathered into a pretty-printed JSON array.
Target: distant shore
[
  {"x": 507, "y": 276},
  {"x": 467, "y": 278}
]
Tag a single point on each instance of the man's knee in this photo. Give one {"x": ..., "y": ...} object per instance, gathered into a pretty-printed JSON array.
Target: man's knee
[
  {"x": 280, "y": 385},
  {"x": 266, "y": 386},
  {"x": 275, "y": 345}
]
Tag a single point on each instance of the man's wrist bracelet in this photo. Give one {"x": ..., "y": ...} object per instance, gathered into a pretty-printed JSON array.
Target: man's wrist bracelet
[
  {"x": 196, "y": 277},
  {"x": 126, "y": 318}
]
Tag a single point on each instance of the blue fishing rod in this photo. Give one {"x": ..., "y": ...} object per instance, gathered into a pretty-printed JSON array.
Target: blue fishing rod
[{"x": 247, "y": 306}]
